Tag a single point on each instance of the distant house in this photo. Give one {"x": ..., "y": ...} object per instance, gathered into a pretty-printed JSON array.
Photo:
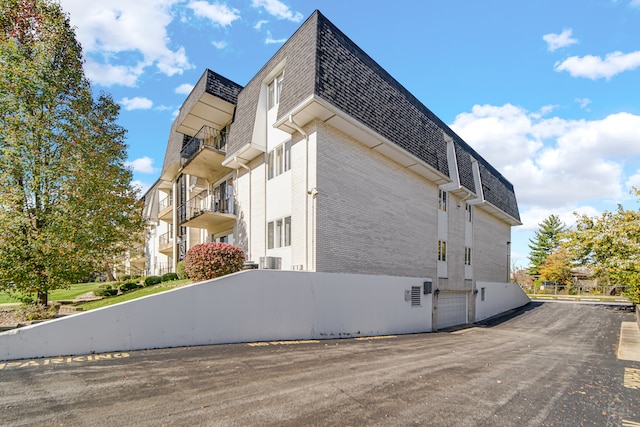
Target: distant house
[{"x": 324, "y": 162}]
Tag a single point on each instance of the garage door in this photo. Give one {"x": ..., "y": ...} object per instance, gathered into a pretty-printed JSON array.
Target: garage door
[{"x": 452, "y": 309}]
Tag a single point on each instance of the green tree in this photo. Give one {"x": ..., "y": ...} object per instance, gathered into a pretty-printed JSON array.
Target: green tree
[
  {"x": 546, "y": 240},
  {"x": 610, "y": 246},
  {"x": 557, "y": 268},
  {"x": 66, "y": 201}
]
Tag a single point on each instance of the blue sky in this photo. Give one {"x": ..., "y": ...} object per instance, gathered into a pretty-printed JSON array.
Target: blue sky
[{"x": 547, "y": 91}]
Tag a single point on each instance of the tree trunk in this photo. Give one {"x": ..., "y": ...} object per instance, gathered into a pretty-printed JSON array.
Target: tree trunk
[{"x": 43, "y": 298}]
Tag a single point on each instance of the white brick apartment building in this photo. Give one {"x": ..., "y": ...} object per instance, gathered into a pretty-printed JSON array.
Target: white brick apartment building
[{"x": 324, "y": 162}]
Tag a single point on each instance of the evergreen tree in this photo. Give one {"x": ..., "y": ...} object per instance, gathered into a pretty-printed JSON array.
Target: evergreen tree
[
  {"x": 66, "y": 203},
  {"x": 545, "y": 241}
]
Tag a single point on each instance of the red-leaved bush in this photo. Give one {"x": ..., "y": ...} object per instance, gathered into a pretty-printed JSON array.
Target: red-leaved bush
[{"x": 209, "y": 260}]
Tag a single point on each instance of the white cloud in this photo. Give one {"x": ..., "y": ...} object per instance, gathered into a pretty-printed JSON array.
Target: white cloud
[
  {"x": 558, "y": 41},
  {"x": 634, "y": 180},
  {"x": 184, "y": 89},
  {"x": 278, "y": 9},
  {"x": 142, "y": 187},
  {"x": 142, "y": 165},
  {"x": 107, "y": 30},
  {"x": 271, "y": 40},
  {"x": 136, "y": 103},
  {"x": 594, "y": 67},
  {"x": 259, "y": 24},
  {"x": 220, "y": 45},
  {"x": 109, "y": 75},
  {"x": 635, "y": 3},
  {"x": 584, "y": 102},
  {"x": 553, "y": 163},
  {"x": 218, "y": 14}
]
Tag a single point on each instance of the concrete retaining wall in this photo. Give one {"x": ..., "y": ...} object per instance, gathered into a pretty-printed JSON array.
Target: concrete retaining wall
[
  {"x": 257, "y": 305},
  {"x": 498, "y": 298}
]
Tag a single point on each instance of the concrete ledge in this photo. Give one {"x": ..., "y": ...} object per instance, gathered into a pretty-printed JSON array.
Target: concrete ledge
[{"x": 629, "y": 345}]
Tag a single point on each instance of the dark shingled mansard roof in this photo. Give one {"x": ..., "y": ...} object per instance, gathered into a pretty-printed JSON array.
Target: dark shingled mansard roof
[{"x": 319, "y": 60}]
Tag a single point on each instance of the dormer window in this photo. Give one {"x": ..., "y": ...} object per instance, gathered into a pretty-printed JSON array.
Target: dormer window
[{"x": 274, "y": 89}]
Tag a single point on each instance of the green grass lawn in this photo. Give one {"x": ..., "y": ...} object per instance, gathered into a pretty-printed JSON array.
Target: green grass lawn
[
  {"x": 60, "y": 294},
  {"x": 150, "y": 290},
  {"x": 82, "y": 288}
]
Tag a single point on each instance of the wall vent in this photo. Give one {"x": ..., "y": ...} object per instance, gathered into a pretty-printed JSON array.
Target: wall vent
[{"x": 415, "y": 296}]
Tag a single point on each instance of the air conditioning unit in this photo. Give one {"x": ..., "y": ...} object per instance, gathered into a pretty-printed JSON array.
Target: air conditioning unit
[{"x": 270, "y": 262}]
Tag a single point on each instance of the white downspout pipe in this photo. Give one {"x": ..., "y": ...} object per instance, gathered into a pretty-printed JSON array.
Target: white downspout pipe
[
  {"x": 297, "y": 127},
  {"x": 235, "y": 159}
]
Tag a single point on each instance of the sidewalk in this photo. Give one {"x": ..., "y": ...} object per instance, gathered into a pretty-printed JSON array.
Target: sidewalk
[{"x": 629, "y": 346}]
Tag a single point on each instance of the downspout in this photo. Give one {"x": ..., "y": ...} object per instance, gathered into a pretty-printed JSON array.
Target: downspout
[
  {"x": 297, "y": 127},
  {"x": 235, "y": 159}
]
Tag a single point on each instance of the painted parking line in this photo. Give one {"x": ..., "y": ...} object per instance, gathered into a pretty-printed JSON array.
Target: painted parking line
[
  {"x": 265, "y": 343},
  {"x": 381, "y": 337},
  {"x": 627, "y": 423},
  {"x": 632, "y": 378},
  {"x": 61, "y": 360}
]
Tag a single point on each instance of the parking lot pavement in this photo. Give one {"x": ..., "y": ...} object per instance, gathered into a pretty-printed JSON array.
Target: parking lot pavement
[{"x": 546, "y": 365}]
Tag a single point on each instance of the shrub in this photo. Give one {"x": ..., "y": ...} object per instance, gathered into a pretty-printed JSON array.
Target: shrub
[
  {"x": 124, "y": 277},
  {"x": 129, "y": 285},
  {"x": 35, "y": 312},
  {"x": 209, "y": 260},
  {"x": 152, "y": 280},
  {"x": 167, "y": 277},
  {"x": 182, "y": 274},
  {"x": 105, "y": 291}
]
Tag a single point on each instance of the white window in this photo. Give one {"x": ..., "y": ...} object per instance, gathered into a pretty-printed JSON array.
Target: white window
[
  {"x": 274, "y": 89},
  {"x": 442, "y": 250},
  {"x": 279, "y": 233},
  {"x": 279, "y": 160},
  {"x": 270, "y": 235},
  {"x": 442, "y": 200},
  {"x": 467, "y": 256},
  {"x": 287, "y": 231}
]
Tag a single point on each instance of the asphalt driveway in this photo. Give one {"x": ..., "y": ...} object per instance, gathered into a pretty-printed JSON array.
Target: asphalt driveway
[{"x": 549, "y": 364}]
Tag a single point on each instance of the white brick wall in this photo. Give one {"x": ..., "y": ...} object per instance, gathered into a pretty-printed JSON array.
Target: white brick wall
[
  {"x": 490, "y": 237},
  {"x": 373, "y": 215}
]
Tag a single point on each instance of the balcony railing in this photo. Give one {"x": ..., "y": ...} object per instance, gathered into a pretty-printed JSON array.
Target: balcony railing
[
  {"x": 136, "y": 252},
  {"x": 165, "y": 239},
  {"x": 164, "y": 203},
  {"x": 205, "y": 138},
  {"x": 203, "y": 203}
]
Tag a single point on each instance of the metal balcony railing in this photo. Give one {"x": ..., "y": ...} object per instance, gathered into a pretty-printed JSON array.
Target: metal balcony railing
[
  {"x": 204, "y": 203},
  {"x": 205, "y": 138},
  {"x": 164, "y": 203},
  {"x": 165, "y": 239}
]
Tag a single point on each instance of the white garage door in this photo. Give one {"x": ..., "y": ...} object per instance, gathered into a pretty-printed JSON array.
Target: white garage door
[{"x": 452, "y": 309}]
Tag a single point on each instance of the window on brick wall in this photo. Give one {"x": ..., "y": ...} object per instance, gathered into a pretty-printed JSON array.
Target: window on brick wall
[
  {"x": 442, "y": 250},
  {"x": 279, "y": 159},
  {"x": 442, "y": 200},
  {"x": 469, "y": 212},
  {"x": 274, "y": 89},
  {"x": 279, "y": 233},
  {"x": 467, "y": 256}
]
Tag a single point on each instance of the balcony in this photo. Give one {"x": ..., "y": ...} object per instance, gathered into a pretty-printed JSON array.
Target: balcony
[
  {"x": 137, "y": 257},
  {"x": 165, "y": 209},
  {"x": 165, "y": 243},
  {"x": 202, "y": 155},
  {"x": 214, "y": 214}
]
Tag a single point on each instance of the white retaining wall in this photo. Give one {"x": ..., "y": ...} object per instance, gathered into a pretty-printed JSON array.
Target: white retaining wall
[
  {"x": 498, "y": 298},
  {"x": 258, "y": 305}
]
